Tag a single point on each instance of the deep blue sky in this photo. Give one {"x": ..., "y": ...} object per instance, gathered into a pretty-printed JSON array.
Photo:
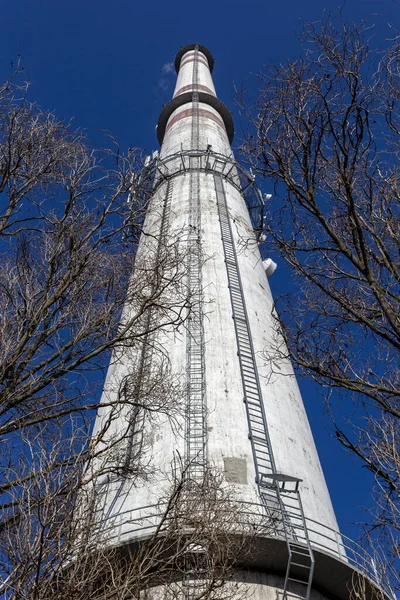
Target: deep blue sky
[{"x": 105, "y": 64}]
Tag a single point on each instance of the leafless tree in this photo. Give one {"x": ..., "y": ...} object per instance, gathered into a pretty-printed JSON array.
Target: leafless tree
[
  {"x": 326, "y": 133},
  {"x": 198, "y": 535},
  {"x": 70, "y": 223},
  {"x": 75, "y": 294}
]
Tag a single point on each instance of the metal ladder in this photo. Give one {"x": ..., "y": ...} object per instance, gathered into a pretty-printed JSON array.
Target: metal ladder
[
  {"x": 195, "y": 579},
  {"x": 165, "y": 216},
  {"x": 136, "y": 417},
  {"x": 134, "y": 437},
  {"x": 195, "y": 413},
  {"x": 282, "y": 505},
  {"x": 196, "y": 455},
  {"x": 300, "y": 565},
  {"x": 258, "y": 432}
]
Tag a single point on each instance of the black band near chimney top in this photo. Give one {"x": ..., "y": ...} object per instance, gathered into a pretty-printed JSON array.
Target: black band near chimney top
[
  {"x": 204, "y": 98},
  {"x": 189, "y": 47}
]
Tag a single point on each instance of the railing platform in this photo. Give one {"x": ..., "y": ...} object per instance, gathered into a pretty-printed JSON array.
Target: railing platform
[{"x": 339, "y": 561}]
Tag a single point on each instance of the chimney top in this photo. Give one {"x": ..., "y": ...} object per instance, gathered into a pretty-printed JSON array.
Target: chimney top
[{"x": 189, "y": 47}]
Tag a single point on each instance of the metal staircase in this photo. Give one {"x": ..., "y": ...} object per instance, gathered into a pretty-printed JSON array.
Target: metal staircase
[{"x": 279, "y": 494}]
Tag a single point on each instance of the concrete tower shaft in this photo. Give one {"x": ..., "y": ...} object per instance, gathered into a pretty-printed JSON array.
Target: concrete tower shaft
[
  {"x": 194, "y": 79},
  {"x": 228, "y": 434},
  {"x": 243, "y": 414},
  {"x": 185, "y": 83}
]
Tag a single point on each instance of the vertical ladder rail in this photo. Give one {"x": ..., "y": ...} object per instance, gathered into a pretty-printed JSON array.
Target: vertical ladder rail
[
  {"x": 196, "y": 413},
  {"x": 194, "y": 581},
  {"x": 283, "y": 507}
]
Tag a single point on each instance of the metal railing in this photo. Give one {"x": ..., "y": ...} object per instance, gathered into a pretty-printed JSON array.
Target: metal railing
[
  {"x": 160, "y": 169},
  {"x": 143, "y": 522}
]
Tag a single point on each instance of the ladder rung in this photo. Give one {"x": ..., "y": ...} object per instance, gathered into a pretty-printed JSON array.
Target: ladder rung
[
  {"x": 263, "y": 452},
  {"x": 308, "y": 567},
  {"x": 249, "y": 369},
  {"x": 257, "y": 419},
  {"x": 259, "y": 431},
  {"x": 255, "y": 394},
  {"x": 256, "y": 413},
  {"x": 252, "y": 384},
  {"x": 298, "y": 580}
]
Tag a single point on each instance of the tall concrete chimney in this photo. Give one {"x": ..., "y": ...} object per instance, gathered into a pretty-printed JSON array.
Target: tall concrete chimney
[{"x": 243, "y": 415}]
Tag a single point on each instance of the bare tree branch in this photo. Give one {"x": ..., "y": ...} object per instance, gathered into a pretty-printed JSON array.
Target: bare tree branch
[{"x": 325, "y": 131}]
